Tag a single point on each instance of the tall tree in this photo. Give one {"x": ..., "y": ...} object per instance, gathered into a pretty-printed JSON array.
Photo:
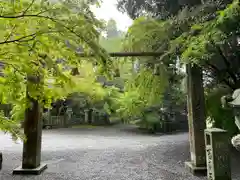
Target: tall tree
[
  {"x": 205, "y": 35},
  {"x": 113, "y": 39},
  {"x": 111, "y": 29},
  {"x": 34, "y": 36},
  {"x": 162, "y": 9}
]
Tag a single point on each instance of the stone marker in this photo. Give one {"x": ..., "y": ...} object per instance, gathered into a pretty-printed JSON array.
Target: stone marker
[
  {"x": 86, "y": 116},
  {"x": 31, "y": 162},
  {"x": 218, "y": 154},
  {"x": 68, "y": 116},
  {"x": 196, "y": 120},
  {"x": 90, "y": 115},
  {"x": 95, "y": 116}
]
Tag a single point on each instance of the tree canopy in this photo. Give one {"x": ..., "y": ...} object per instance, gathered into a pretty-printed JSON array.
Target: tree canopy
[
  {"x": 43, "y": 38},
  {"x": 206, "y": 35},
  {"x": 112, "y": 38},
  {"x": 162, "y": 9},
  {"x": 111, "y": 29},
  {"x": 202, "y": 35}
]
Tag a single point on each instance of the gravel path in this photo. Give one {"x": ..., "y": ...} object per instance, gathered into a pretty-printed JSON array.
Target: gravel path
[{"x": 103, "y": 154}]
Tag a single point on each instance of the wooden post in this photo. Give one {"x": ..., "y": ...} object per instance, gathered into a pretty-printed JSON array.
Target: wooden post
[
  {"x": 31, "y": 162},
  {"x": 1, "y": 160},
  {"x": 196, "y": 119}
]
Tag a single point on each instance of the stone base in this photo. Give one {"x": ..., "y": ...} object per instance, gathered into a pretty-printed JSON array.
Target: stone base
[
  {"x": 196, "y": 171},
  {"x": 36, "y": 171}
]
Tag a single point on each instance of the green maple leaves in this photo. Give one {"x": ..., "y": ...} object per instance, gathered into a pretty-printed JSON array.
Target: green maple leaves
[{"x": 32, "y": 40}]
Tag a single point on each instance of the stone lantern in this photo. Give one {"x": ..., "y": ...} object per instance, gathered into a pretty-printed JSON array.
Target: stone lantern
[{"x": 234, "y": 103}]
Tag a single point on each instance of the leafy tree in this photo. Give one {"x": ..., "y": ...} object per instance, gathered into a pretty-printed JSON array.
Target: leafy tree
[
  {"x": 111, "y": 29},
  {"x": 34, "y": 37},
  {"x": 141, "y": 91},
  {"x": 112, "y": 42},
  {"x": 147, "y": 35},
  {"x": 162, "y": 9},
  {"x": 205, "y": 35}
]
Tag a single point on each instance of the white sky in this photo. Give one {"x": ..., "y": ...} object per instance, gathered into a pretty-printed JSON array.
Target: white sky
[{"x": 108, "y": 10}]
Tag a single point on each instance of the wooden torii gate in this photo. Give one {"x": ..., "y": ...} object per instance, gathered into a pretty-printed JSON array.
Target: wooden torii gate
[{"x": 31, "y": 160}]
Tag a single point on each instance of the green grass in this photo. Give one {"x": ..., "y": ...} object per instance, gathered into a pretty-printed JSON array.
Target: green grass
[{"x": 85, "y": 126}]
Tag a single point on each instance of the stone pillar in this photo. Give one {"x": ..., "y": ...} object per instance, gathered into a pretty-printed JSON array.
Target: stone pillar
[
  {"x": 31, "y": 162},
  {"x": 90, "y": 116},
  {"x": 94, "y": 116},
  {"x": 68, "y": 117},
  {"x": 196, "y": 120},
  {"x": 86, "y": 116}
]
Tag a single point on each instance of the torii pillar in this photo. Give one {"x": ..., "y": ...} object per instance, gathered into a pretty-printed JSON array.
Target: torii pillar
[
  {"x": 196, "y": 120},
  {"x": 31, "y": 158}
]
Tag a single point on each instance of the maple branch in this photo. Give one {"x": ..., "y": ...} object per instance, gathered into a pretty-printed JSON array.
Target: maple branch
[
  {"x": 30, "y": 5},
  {"x": 10, "y": 34},
  {"x": 25, "y": 38}
]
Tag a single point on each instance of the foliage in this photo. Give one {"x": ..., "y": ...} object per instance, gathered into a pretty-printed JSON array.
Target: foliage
[
  {"x": 201, "y": 35},
  {"x": 141, "y": 90},
  {"x": 205, "y": 35},
  {"x": 112, "y": 30},
  {"x": 150, "y": 121},
  {"x": 43, "y": 38},
  {"x": 162, "y": 9},
  {"x": 147, "y": 34},
  {"x": 211, "y": 43},
  {"x": 220, "y": 117},
  {"x": 112, "y": 40},
  {"x": 89, "y": 93},
  {"x": 111, "y": 44}
]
